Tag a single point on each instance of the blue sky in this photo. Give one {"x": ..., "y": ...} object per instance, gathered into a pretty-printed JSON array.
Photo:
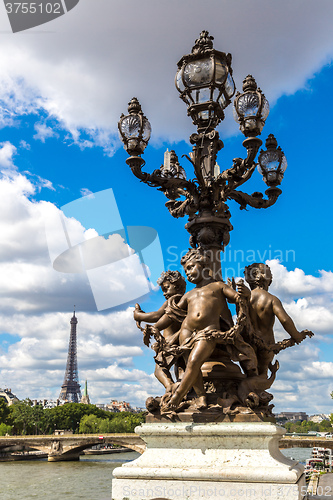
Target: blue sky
[{"x": 63, "y": 87}]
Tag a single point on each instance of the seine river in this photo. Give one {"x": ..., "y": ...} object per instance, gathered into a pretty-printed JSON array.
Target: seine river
[{"x": 88, "y": 479}]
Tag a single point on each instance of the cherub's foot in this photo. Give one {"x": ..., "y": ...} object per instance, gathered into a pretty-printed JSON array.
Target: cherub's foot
[
  {"x": 168, "y": 408},
  {"x": 229, "y": 411},
  {"x": 200, "y": 403},
  {"x": 152, "y": 404},
  {"x": 170, "y": 390}
]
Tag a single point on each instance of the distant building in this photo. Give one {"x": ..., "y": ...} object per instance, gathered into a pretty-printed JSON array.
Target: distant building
[
  {"x": 62, "y": 432},
  {"x": 319, "y": 418},
  {"x": 46, "y": 403},
  {"x": 117, "y": 406},
  {"x": 8, "y": 396},
  {"x": 292, "y": 416},
  {"x": 85, "y": 398}
]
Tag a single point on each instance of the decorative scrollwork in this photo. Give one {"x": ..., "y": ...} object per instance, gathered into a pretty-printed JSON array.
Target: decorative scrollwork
[{"x": 256, "y": 200}]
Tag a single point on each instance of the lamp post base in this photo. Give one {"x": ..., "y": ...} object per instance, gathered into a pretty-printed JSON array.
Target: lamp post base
[{"x": 213, "y": 460}]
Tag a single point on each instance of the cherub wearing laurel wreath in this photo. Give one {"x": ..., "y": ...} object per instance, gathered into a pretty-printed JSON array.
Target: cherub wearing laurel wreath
[
  {"x": 173, "y": 286},
  {"x": 200, "y": 332}
]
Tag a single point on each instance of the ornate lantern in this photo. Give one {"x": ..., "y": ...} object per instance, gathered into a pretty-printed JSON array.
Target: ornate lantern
[
  {"x": 134, "y": 129},
  {"x": 272, "y": 163},
  {"x": 204, "y": 80},
  {"x": 251, "y": 108}
]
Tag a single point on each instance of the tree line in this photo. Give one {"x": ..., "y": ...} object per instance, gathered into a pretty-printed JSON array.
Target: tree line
[
  {"x": 23, "y": 418},
  {"x": 306, "y": 426}
]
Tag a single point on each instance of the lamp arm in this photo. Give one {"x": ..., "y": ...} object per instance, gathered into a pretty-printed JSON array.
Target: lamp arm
[
  {"x": 172, "y": 187},
  {"x": 155, "y": 179},
  {"x": 234, "y": 177},
  {"x": 252, "y": 145},
  {"x": 255, "y": 200}
]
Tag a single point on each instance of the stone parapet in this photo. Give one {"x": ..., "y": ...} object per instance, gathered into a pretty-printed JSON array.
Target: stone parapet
[{"x": 184, "y": 461}]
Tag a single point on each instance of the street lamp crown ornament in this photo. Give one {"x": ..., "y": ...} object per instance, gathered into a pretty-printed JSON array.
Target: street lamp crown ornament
[{"x": 203, "y": 43}]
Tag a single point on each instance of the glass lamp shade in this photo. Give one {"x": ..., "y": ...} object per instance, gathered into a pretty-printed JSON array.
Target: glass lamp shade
[
  {"x": 251, "y": 108},
  {"x": 204, "y": 81},
  {"x": 272, "y": 163},
  {"x": 134, "y": 129}
]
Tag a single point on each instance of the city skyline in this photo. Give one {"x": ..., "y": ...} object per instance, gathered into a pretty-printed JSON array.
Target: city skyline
[{"x": 62, "y": 90}]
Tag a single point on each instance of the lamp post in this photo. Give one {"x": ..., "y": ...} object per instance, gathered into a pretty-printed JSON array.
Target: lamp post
[{"x": 205, "y": 83}]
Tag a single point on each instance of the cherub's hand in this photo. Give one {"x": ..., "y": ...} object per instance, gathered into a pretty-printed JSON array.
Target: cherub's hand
[
  {"x": 137, "y": 310},
  {"x": 243, "y": 290},
  {"x": 302, "y": 335},
  {"x": 231, "y": 283},
  {"x": 307, "y": 333}
]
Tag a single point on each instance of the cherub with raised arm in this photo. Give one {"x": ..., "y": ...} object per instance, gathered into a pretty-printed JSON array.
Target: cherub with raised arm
[
  {"x": 264, "y": 307},
  {"x": 173, "y": 286},
  {"x": 205, "y": 306}
]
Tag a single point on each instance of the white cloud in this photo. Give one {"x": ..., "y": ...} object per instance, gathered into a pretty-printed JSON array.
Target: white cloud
[
  {"x": 297, "y": 283},
  {"x": 85, "y": 71},
  {"x": 43, "y": 132},
  {"x": 308, "y": 299},
  {"x": 7, "y": 152},
  {"x": 31, "y": 285},
  {"x": 25, "y": 145}
]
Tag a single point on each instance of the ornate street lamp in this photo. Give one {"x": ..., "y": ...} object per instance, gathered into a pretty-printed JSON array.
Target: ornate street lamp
[{"x": 204, "y": 80}]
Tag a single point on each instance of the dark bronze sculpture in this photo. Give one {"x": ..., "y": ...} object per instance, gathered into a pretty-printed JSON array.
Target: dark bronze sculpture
[
  {"x": 173, "y": 286},
  {"x": 264, "y": 307},
  {"x": 209, "y": 344},
  {"x": 221, "y": 369}
]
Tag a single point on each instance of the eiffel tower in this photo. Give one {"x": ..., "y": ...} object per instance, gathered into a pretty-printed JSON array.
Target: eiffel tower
[{"x": 70, "y": 389}]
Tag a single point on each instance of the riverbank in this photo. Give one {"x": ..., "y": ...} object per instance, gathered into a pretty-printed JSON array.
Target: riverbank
[
  {"x": 38, "y": 455},
  {"x": 22, "y": 455}
]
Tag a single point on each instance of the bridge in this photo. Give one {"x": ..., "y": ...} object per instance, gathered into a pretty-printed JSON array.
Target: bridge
[
  {"x": 306, "y": 442},
  {"x": 69, "y": 446}
]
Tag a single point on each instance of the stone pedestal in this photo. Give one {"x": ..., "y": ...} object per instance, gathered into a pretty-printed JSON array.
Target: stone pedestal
[{"x": 191, "y": 461}]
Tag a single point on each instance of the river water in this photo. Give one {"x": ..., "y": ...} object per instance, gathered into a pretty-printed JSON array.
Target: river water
[{"x": 88, "y": 479}]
